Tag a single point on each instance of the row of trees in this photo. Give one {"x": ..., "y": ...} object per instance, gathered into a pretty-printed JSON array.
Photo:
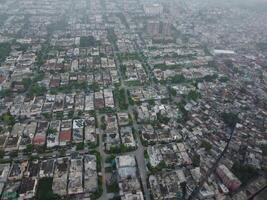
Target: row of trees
[
  {"x": 120, "y": 95},
  {"x": 5, "y": 49}
]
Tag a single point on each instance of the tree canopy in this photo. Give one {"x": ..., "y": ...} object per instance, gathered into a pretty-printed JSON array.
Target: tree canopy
[{"x": 230, "y": 119}]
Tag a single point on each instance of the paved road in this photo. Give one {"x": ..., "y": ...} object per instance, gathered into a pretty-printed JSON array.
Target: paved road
[
  {"x": 138, "y": 153},
  {"x": 141, "y": 162},
  {"x": 103, "y": 156}
]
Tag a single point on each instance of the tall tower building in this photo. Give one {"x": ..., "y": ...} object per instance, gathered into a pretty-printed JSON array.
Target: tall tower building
[
  {"x": 153, "y": 9},
  {"x": 153, "y": 28},
  {"x": 166, "y": 29}
]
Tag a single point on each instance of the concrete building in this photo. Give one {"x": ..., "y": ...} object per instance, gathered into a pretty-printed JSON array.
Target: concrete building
[{"x": 228, "y": 178}]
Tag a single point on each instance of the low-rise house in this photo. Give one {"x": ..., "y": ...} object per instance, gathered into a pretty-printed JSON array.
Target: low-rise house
[
  {"x": 167, "y": 184},
  {"x": 77, "y": 130},
  {"x": 75, "y": 184},
  {"x": 32, "y": 169},
  {"x": 53, "y": 134},
  {"x": 109, "y": 101},
  {"x": 40, "y": 136},
  {"x": 4, "y": 169},
  {"x": 79, "y": 102},
  {"x": 28, "y": 188},
  {"x": 127, "y": 176},
  {"x": 90, "y": 130},
  {"x": 127, "y": 137},
  {"x": 99, "y": 100},
  {"x": 27, "y": 135},
  {"x": 11, "y": 189},
  {"x": 123, "y": 119},
  {"x": 17, "y": 170},
  {"x": 47, "y": 168},
  {"x": 59, "y": 103},
  {"x": 60, "y": 179},
  {"x": 65, "y": 132},
  {"x": 69, "y": 102},
  {"x": 90, "y": 173},
  {"x": 89, "y": 102}
]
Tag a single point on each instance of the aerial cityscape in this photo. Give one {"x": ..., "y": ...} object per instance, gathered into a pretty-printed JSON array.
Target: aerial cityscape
[{"x": 133, "y": 99}]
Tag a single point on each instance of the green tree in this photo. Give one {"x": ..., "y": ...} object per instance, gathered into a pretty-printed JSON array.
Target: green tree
[
  {"x": 121, "y": 98},
  {"x": 172, "y": 92},
  {"x": 44, "y": 190},
  {"x": 230, "y": 119},
  {"x": 196, "y": 160},
  {"x": 193, "y": 95},
  {"x": 8, "y": 119},
  {"x": 2, "y": 153},
  {"x": 183, "y": 186},
  {"x": 5, "y": 93},
  {"x": 88, "y": 41},
  {"x": 206, "y": 145},
  {"x": 26, "y": 83},
  {"x": 229, "y": 63},
  {"x": 177, "y": 79},
  {"x": 36, "y": 90},
  {"x": 29, "y": 148},
  {"x": 80, "y": 146},
  {"x": 5, "y": 49},
  {"x": 94, "y": 87},
  {"x": 244, "y": 172}
]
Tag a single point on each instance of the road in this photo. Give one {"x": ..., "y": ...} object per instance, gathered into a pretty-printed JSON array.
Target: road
[
  {"x": 103, "y": 158},
  {"x": 139, "y": 155}
]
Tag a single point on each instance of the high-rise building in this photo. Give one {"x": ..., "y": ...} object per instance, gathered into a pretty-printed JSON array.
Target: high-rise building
[
  {"x": 153, "y": 28},
  {"x": 166, "y": 29},
  {"x": 153, "y": 9}
]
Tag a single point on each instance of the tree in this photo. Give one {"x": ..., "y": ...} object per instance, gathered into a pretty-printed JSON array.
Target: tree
[
  {"x": 44, "y": 190},
  {"x": 262, "y": 46},
  {"x": 14, "y": 154},
  {"x": 223, "y": 79},
  {"x": 2, "y": 153},
  {"x": 8, "y": 119},
  {"x": 193, "y": 95},
  {"x": 103, "y": 123},
  {"x": 212, "y": 64},
  {"x": 244, "y": 172},
  {"x": 183, "y": 186},
  {"x": 178, "y": 79},
  {"x": 42, "y": 55},
  {"x": 121, "y": 98},
  {"x": 5, "y": 49},
  {"x": 162, "y": 165},
  {"x": 38, "y": 76},
  {"x": 29, "y": 148},
  {"x": 95, "y": 87},
  {"x": 5, "y": 93},
  {"x": 229, "y": 63},
  {"x": 230, "y": 119},
  {"x": 196, "y": 160},
  {"x": 26, "y": 83},
  {"x": 51, "y": 131},
  {"x": 172, "y": 91},
  {"x": 151, "y": 102},
  {"x": 36, "y": 90},
  {"x": 80, "y": 146},
  {"x": 88, "y": 41},
  {"x": 206, "y": 145},
  {"x": 113, "y": 186},
  {"x": 162, "y": 119}
]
